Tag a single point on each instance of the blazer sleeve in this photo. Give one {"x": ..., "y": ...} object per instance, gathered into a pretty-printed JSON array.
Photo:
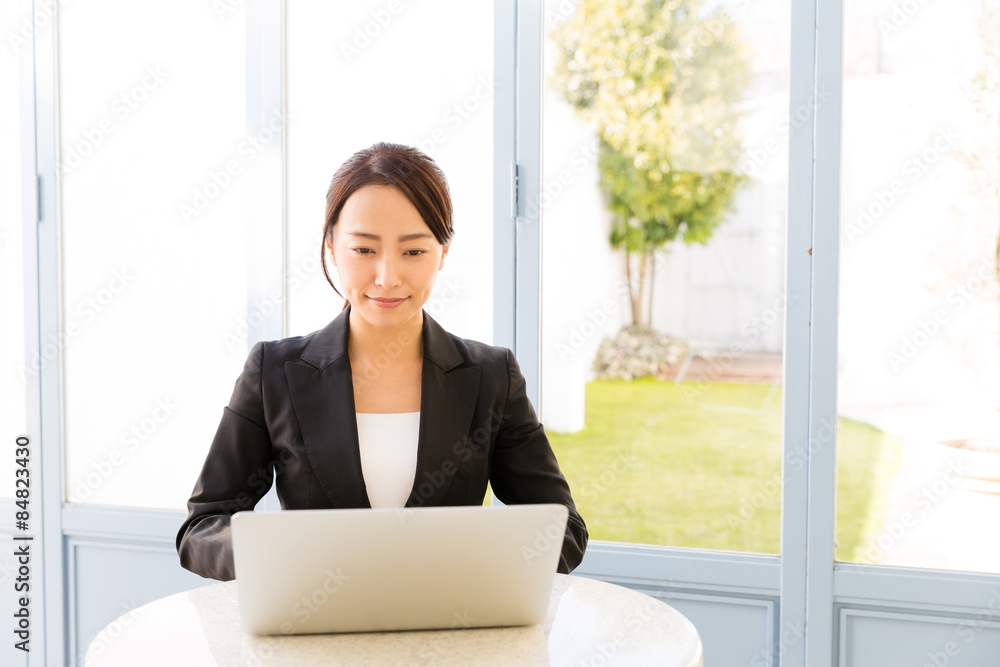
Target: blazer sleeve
[
  {"x": 524, "y": 468},
  {"x": 237, "y": 473}
]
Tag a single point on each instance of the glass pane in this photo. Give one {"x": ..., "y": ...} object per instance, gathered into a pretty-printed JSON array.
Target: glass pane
[
  {"x": 154, "y": 247},
  {"x": 666, "y": 136},
  {"x": 919, "y": 368},
  {"x": 12, "y": 408},
  {"x": 364, "y": 72}
]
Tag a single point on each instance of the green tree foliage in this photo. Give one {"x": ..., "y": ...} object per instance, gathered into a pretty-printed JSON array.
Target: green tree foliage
[{"x": 657, "y": 80}]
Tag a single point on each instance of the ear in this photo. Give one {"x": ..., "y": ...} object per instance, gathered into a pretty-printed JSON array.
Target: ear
[
  {"x": 329, "y": 247},
  {"x": 444, "y": 253}
]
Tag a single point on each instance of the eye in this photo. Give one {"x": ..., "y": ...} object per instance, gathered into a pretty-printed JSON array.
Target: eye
[
  {"x": 415, "y": 253},
  {"x": 362, "y": 251}
]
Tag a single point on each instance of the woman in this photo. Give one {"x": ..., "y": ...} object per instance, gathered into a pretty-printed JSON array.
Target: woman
[{"x": 382, "y": 407}]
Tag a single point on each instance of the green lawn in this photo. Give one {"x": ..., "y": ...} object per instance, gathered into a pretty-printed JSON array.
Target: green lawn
[{"x": 699, "y": 465}]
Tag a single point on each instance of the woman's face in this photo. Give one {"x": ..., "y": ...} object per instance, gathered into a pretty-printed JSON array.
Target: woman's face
[{"x": 386, "y": 256}]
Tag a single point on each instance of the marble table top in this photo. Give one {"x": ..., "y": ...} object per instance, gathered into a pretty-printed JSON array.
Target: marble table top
[{"x": 589, "y": 623}]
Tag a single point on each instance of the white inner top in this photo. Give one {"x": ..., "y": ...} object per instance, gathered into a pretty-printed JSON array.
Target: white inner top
[{"x": 388, "y": 444}]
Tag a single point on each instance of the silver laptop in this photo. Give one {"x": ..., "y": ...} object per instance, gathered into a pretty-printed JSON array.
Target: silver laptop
[{"x": 361, "y": 570}]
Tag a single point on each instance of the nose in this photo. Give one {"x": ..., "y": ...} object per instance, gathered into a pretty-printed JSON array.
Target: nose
[{"x": 387, "y": 274}]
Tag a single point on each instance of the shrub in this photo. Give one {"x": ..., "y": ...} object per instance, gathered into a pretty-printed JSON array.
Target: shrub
[{"x": 636, "y": 352}]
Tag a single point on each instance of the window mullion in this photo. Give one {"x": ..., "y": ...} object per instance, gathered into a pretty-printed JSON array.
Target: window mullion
[
  {"x": 266, "y": 213},
  {"x": 796, "y": 371},
  {"x": 266, "y": 121},
  {"x": 827, "y": 103},
  {"x": 529, "y": 184}
]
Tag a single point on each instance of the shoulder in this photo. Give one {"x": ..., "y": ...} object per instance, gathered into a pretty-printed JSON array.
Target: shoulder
[
  {"x": 291, "y": 347},
  {"x": 481, "y": 354},
  {"x": 319, "y": 349},
  {"x": 277, "y": 352},
  {"x": 500, "y": 371}
]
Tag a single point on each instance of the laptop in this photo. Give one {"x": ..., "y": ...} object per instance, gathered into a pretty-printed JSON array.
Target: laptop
[{"x": 368, "y": 570}]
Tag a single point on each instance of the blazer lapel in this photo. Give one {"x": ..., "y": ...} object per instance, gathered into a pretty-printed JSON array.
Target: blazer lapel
[
  {"x": 323, "y": 397},
  {"x": 448, "y": 397},
  {"x": 322, "y": 393}
]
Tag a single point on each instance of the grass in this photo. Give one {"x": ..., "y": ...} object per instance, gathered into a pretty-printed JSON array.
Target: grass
[
  {"x": 868, "y": 462},
  {"x": 699, "y": 465}
]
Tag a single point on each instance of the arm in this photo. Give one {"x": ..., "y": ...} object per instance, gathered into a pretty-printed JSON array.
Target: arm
[
  {"x": 525, "y": 469},
  {"x": 238, "y": 471}
]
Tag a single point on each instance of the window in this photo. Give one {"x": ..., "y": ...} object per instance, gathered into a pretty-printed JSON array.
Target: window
[
  {"x": 365, "y": 72},
  {"x": 919, "y": 372},
  {"x": 154, "y": 242},
  {"x": 661, "y": 380},
  {"x": 12, "y": 381}
]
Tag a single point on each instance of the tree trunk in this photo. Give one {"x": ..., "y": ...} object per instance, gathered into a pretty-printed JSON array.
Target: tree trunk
[
  {"x": 633, "y": 299},
  {"x": 643, "y": 267},
  {"x": 651, "y": 260},
  {"x": 637, "y": 286}
]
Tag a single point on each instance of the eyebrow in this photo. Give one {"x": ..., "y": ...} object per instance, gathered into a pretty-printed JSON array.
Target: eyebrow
[{"x": 402, "y": 239}]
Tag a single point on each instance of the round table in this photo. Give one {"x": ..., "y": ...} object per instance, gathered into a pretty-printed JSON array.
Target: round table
[{"x": 589, "y": 624}]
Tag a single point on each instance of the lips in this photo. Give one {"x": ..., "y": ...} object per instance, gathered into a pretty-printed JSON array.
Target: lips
[{"x": 386, "y": 303}]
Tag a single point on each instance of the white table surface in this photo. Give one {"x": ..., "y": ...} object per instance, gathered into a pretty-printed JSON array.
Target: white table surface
[{"x": 589, "y": 623}]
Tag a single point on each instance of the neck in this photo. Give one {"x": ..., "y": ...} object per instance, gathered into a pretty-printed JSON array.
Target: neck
[{"x": 400, "y": 344}]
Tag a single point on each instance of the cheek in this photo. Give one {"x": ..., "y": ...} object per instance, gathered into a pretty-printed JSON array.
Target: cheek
[
  {"x": 351, "y": 271},
  {"x": 428, "y": 273}
]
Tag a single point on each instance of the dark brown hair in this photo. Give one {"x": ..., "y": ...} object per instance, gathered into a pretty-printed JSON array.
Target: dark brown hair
[{"x": 408, "y": 170}]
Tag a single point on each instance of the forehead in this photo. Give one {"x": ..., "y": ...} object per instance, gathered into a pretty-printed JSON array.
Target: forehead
[{"x": 380, "y": 206}]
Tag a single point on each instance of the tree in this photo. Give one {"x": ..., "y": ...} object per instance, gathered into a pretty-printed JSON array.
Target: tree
[{"x": 657, "y": 80}]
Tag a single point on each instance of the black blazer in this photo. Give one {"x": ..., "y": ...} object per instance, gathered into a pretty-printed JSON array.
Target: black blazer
[{"x": 292, "y": 419}]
